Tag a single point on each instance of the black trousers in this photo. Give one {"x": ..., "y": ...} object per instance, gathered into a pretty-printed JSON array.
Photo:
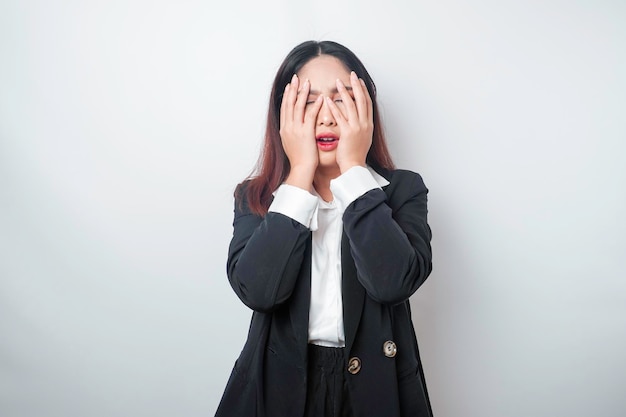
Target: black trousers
[{"x": 327, "y": 393}]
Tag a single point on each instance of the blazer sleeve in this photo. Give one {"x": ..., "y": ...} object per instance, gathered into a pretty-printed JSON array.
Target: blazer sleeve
[
  {"x": 391, "y": 247},
  {"x": 264, "y": 257}
]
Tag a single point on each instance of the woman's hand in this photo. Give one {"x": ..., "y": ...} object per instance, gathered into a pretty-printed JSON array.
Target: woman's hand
[
  {"x": 297, "y": 132},
  {"x": 356, "y": 122}
]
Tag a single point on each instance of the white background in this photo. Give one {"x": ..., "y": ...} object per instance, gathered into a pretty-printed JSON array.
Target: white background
[{"x": 125, "y": 125}]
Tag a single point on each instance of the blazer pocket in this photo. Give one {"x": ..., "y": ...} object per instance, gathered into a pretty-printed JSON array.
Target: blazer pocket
[
  {"x": 240, "y": 396},
  {"x": 413, "y": 399}
]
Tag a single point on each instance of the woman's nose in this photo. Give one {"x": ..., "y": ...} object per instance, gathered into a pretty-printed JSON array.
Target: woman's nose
[{"x": 325, "y": 116}]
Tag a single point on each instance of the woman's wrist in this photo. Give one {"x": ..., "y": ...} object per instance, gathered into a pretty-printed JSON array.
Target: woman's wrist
[
  {"x": 301, "y": 176},
  {"x": 345, "y": 166}
]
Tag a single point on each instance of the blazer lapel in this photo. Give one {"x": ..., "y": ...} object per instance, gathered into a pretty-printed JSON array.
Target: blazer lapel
[
  {"x": 353, "y": 294},
  {"x": 352, "y": 291},
  {"x": 299, "y": 306}
]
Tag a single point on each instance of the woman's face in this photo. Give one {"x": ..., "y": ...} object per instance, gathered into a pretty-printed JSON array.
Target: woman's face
[{"x": 323, "y": 72}]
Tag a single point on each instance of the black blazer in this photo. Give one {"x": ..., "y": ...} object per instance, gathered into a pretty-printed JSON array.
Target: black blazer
[{"x": 386, "y": 256}]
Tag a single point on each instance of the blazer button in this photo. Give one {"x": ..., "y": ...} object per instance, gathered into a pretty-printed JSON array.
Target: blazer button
[
  {"x": 354, "y": 365},
  {"x": 390, "y": 349}
]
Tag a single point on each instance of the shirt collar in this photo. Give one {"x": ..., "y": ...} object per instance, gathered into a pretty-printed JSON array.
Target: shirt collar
[
  {"x": 330, "y": 205},
  {"x": 327, "y": 205}
]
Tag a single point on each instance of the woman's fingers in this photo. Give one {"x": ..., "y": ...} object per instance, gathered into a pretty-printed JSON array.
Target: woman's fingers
[
  {"x": 358, "y": 106},
  {"x": 289, "y": 98},
  {"x": 301, "y": 99},
  {"x": 354, "y": 118},
  {"x": 294, "y": 103},
  {"x": 369, "y": 108},
  {"x": 283, "y": 106},
  {"x": 293, "y": 107},
  {"x": 360, "y": 100},
  {"x": 336, "y": 111},
  {"x": 310, "y": 116},
  {"x": 347, "y": 100},
  {"x": 297, "y": 126}
]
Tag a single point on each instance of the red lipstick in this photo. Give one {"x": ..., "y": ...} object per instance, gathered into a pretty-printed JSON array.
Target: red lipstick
[{"x": 327, "y": 141}]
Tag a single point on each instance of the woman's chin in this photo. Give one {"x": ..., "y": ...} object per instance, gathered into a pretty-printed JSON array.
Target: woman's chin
[{"x": 327, "y": 160}]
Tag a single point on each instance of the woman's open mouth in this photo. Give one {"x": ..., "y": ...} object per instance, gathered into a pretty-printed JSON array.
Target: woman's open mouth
[{"x": 327, "y": 141}]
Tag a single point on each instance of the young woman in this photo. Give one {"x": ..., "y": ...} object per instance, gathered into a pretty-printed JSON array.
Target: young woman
[{"x": 329, "y": 243}]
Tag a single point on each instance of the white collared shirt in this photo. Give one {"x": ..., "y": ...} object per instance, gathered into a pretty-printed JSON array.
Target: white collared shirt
[{"x": 324, "y": 219}]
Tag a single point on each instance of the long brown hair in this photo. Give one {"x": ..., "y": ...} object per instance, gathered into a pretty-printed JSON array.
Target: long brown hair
[{"x": 272, "y": 166}]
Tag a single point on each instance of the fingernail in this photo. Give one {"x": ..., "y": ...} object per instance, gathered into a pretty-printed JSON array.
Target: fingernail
[{"x": 294, "y": 78}]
